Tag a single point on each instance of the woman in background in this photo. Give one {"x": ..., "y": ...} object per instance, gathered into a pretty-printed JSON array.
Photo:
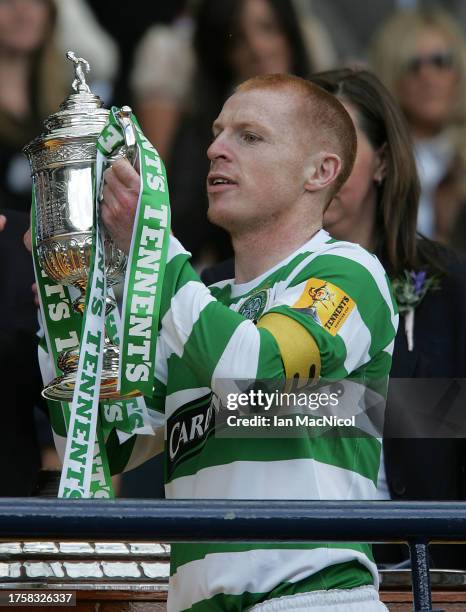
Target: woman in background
[
  {"x": 33, "y": 86},
  {"x": 426, "y": 73}
]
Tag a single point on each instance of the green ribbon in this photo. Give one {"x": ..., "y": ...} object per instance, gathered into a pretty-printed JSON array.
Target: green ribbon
[
  {"x": 146, "y": 261},
  {"x": 62, "y": 328}
]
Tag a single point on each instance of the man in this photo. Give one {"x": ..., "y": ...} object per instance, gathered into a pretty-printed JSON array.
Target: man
[{"x": 301, "y": 305}]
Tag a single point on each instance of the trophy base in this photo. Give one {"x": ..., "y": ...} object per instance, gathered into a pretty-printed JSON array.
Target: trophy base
[{"x": 62, "y": 388}]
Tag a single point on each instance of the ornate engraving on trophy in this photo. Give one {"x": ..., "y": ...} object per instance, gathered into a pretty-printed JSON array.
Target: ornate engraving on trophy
[
  {"x": 64, "y": 154},
  {"x": 52, "y": 206}
]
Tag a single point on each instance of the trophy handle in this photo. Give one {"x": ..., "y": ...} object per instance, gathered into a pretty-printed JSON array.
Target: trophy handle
[
  {"x": 129, "y": 149},
  {"x": 124, "y": 119}
]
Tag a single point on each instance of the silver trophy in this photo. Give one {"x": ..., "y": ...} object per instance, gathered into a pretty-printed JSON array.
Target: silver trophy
[{"x": 63, "y": 165}]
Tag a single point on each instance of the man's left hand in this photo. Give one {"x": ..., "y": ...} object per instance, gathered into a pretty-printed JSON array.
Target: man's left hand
[{"x": 120, "y": 200}]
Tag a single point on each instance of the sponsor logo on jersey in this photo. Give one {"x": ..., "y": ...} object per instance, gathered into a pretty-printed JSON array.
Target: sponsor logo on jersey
[
  {"x": 189, "y": 428},
  {"x": 254, "y": 305},
  {"x": 328, "y": 305}
]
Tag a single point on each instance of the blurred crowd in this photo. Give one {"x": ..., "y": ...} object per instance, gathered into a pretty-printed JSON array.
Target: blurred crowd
[{"x": 175, "y": 63}]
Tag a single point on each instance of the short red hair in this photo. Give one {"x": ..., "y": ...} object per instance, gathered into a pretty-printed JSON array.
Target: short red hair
[{"x": 328, "y": 118}]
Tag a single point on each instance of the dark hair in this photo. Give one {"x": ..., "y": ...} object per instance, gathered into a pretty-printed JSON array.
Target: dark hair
[
  {"x": 398, "y": 245},
  {"x": 217, "y": 26}
]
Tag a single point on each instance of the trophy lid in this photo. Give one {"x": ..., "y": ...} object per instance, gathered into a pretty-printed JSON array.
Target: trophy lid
[{"x": 79, "y": 116}]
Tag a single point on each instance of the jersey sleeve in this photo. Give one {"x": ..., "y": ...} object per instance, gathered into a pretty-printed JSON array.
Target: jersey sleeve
[{"x": 343, "y": 300}]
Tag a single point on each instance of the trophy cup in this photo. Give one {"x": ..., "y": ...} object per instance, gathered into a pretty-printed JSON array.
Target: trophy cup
[{"x": 63, "y": 165}]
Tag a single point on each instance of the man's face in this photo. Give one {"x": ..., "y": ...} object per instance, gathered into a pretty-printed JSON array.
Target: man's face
[{"x": 258, "y": 159}]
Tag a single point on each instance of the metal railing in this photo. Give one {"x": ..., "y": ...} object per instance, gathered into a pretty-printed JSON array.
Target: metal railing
[{"x": 228, "y": 520}]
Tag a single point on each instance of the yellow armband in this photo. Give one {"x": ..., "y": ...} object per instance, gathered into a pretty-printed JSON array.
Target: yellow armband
[{"x": 299, "y": 351}]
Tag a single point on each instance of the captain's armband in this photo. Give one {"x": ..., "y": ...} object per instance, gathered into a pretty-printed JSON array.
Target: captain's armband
[{"x": 298, "y": 349}]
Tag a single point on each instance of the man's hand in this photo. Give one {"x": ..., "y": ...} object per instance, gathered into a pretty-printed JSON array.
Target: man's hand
[
  {"x": 120, "y": 199},
  {"x": 2, "y": 222}
]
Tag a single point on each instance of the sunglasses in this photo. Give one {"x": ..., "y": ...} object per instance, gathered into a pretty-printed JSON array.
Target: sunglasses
[{"x": 442, "y": 60}]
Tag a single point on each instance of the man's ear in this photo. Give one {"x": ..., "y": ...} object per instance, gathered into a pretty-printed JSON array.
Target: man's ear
[{"x": 322, "y": 171}]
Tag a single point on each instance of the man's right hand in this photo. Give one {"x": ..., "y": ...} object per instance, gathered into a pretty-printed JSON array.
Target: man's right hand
[{"x": 120, "y": 200}]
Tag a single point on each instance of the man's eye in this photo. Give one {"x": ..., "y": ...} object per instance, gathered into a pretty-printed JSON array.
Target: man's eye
[{"x": 250, "y": 138}]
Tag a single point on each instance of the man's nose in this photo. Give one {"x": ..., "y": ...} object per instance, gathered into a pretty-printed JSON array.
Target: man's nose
[{"x": 219, "y": 148}]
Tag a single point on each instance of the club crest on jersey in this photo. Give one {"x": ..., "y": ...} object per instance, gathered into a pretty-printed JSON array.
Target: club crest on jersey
[
  {"x": 328, "y": 305},
  {"x": 254, "y": 305}
]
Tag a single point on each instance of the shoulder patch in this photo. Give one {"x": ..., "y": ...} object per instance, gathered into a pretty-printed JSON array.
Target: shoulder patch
[{"x": 328, "y": 305}]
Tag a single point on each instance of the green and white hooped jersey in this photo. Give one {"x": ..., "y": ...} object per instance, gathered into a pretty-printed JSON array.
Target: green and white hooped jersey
[{"x": 340, "y": 294}]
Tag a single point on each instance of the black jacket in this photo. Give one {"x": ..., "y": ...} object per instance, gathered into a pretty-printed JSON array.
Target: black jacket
[{"x": 20, "y": 382}]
